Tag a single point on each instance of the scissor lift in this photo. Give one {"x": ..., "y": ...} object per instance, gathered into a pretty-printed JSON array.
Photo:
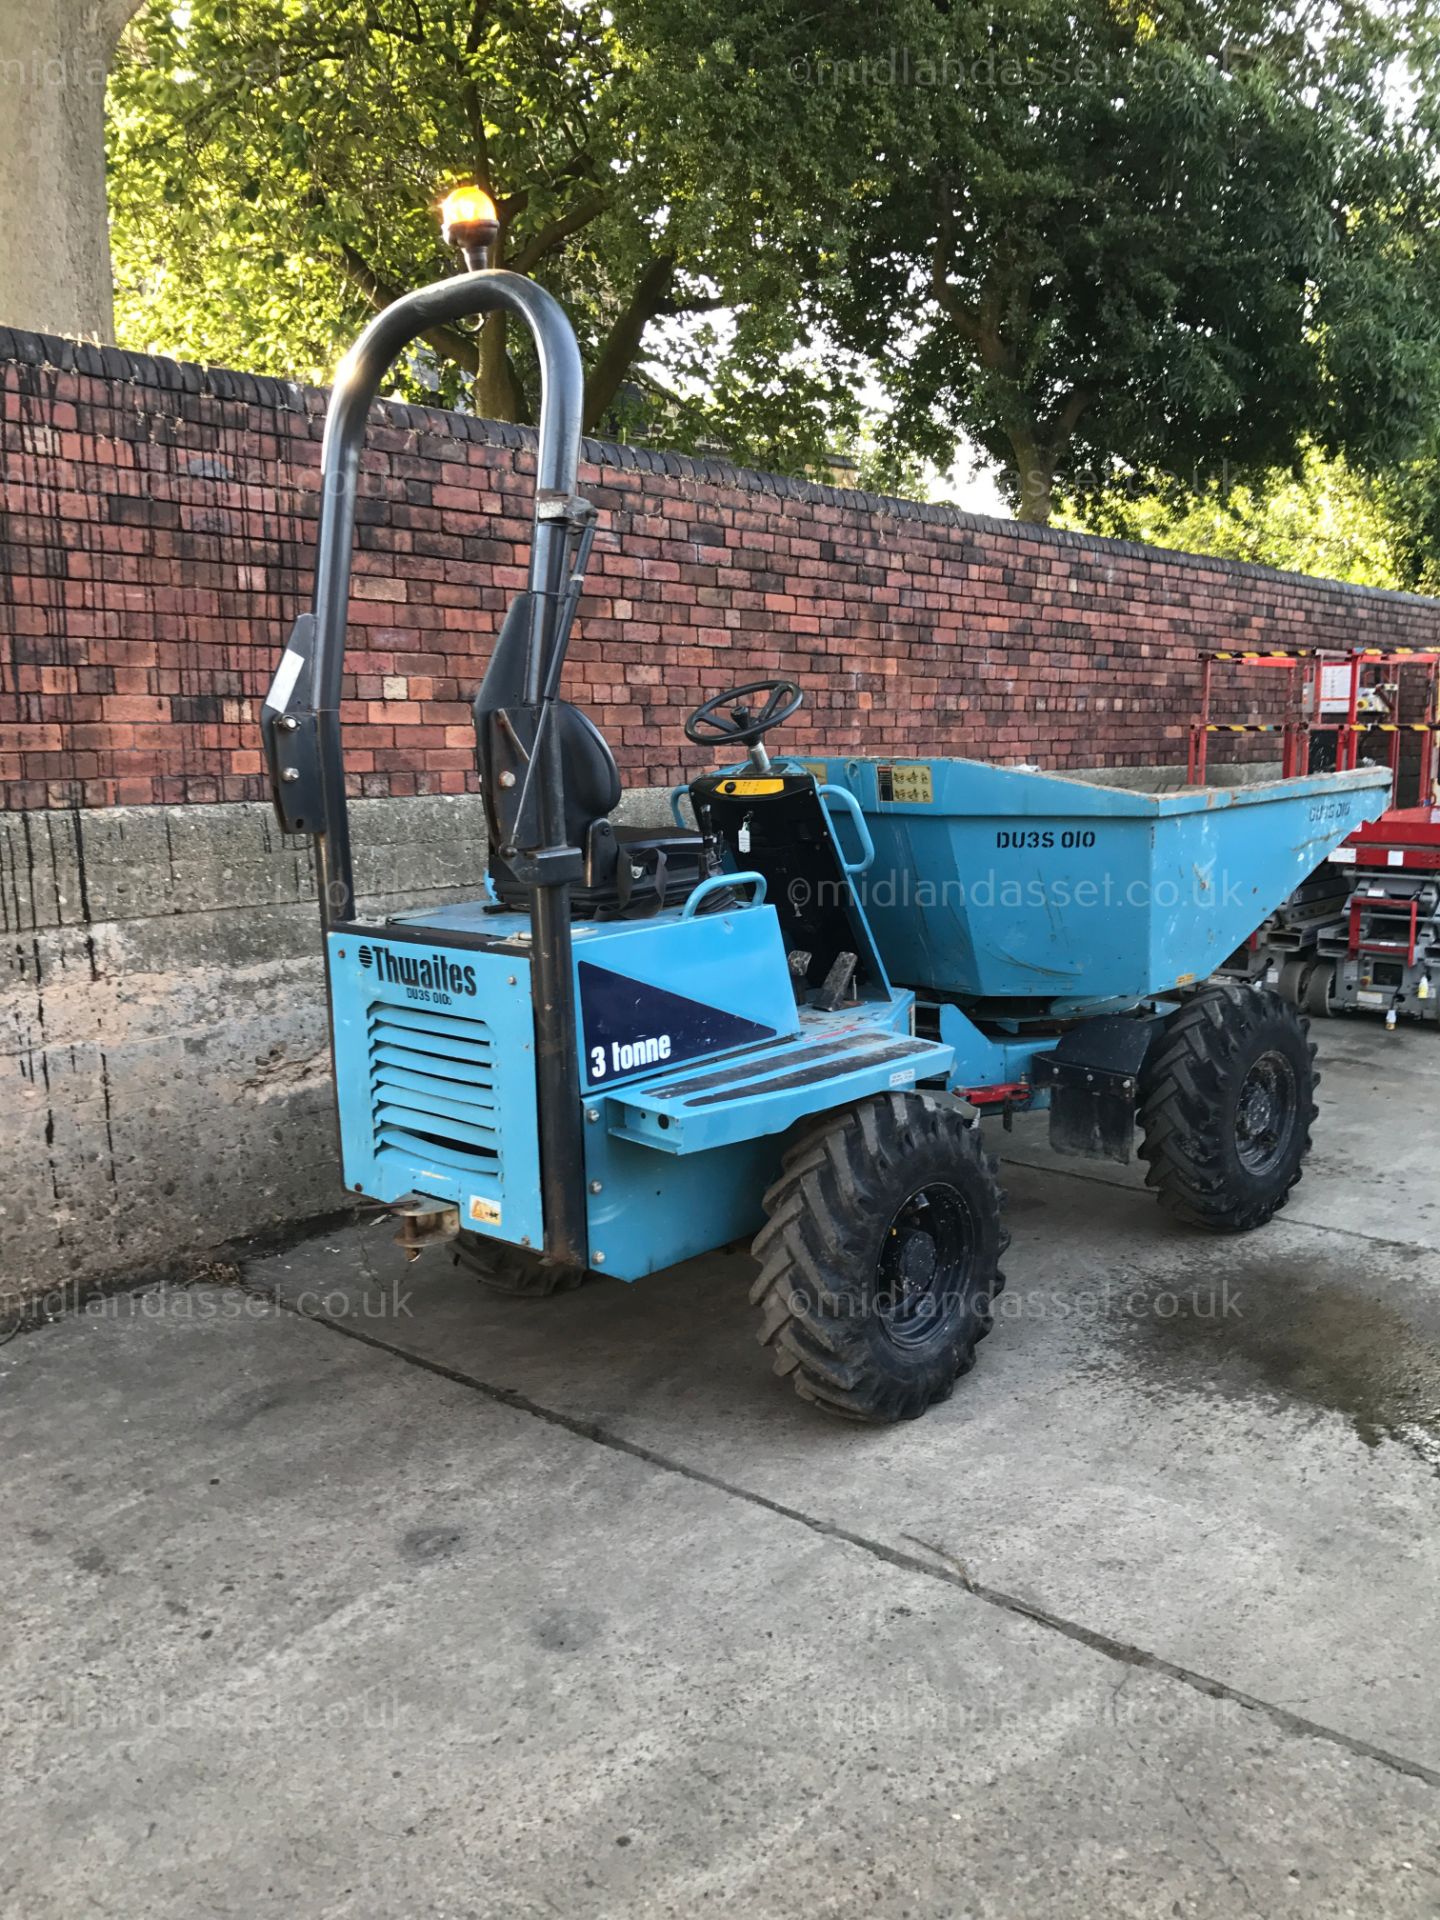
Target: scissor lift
[{"x": 1363, "y": 932}]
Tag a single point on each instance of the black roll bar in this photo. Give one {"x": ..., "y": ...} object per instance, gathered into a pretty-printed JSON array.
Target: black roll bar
[{"x": 300, "y": 720}]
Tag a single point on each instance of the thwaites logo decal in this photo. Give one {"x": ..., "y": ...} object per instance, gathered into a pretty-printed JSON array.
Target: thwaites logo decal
[
  {"x": 431, "y": 978},
  {"x": 633, "y": 1028}
]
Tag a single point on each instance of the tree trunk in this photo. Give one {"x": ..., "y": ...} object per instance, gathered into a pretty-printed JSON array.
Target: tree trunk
[
  {"x": 1035, "y": 479},
  {"x": 54, "y": 239},
  {"x": 497, "y": 391}
]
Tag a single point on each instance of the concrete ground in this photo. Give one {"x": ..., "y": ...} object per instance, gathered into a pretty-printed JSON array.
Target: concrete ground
[{"x": 350, "y": 1590}]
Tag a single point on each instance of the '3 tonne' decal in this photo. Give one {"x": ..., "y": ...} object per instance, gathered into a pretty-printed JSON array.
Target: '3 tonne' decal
[{"x": 632, "y": 1028}]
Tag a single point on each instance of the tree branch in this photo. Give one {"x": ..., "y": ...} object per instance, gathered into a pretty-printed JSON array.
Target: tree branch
[
  {"x": 1068, "y": 418},
  {"x": 942, "y": 257},
  {"x": 989, "y": 338},
  {"x": 622, "y": 343},
  {"x": 447, "y": 342},
  {"x": 113, "y": 16},
  {"x": 962, "y": 317},
  {"x": 558, "y": 231},
  {"x": 374, "y": 24},
  {"x": 475, "y": 33},
  {"x": 692, "y": 303}
]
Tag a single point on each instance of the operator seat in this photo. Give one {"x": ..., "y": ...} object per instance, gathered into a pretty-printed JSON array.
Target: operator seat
[{"x": 629, "y": 871}]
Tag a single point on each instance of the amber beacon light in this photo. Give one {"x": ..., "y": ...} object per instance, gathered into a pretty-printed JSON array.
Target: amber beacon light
[{"x": 469, "y": 222}]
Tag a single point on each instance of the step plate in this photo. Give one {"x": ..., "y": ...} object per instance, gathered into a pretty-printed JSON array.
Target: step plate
[{"x": 768, "y": 1089}]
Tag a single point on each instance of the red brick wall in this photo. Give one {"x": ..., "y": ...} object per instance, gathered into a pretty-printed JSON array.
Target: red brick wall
[{"x": 156, "y": 538}]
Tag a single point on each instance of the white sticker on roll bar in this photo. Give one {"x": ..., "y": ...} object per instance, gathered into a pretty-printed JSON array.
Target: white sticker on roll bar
[{"x": 286, "y": 674}]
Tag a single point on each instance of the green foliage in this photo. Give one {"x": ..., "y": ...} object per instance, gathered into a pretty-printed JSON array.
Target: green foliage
[
  {"x": 883, "y": 467},
  {"x": 1323, "y": 519},
  {"x": 1190, "y": 240},
  {"x": 275, "y": 167},
  {"x": 1086, "y": 235},
  {"x": 1410, "y": 497},
  {"x": 749, "y": 394},
  {"x": 275, "y": 164}
]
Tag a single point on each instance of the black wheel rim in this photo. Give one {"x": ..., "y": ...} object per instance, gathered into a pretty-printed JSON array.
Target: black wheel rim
[
  {"x": 925, "y": 1264},
  {"x": 1265, "y": 1113}
]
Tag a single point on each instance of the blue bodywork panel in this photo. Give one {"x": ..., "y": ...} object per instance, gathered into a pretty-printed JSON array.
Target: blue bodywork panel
[
  {"x": 437, "y": 1088},
  {"x": 659, "y": 993},
  {"x": 709, "y": 984},
  {"x": 435, "y": 1076},
  {"x": 652, "y": 1211},
  {"x": 682, "y": 1157},
  {"x": 994, "y": 883},
  {"x": 984, "y": 1059}
]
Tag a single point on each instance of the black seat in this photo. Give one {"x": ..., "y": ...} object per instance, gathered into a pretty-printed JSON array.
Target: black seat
[{"x": 628, "y": 870}]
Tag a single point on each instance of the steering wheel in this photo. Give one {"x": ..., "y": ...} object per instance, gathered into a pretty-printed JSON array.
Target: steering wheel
[{"x": 708, "y": 723}]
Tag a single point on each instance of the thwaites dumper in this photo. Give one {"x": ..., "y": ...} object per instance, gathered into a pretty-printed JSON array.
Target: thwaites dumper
[{"x": 786, "y": 1020}]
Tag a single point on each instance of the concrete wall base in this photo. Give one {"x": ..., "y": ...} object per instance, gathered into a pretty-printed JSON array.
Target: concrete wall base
[{"x": 164, "y": 1066}]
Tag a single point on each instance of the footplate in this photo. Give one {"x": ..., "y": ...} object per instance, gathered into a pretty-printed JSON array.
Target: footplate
[{"x": 766, "y": 1089}]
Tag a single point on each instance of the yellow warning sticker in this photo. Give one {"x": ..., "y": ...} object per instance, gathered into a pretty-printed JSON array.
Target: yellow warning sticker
[
  {"x": 899, "y": 781},
  {"x": 751, "y": 787},
  {"x": 487, "y": 1211},
  {"x": 914, "y": 783}
]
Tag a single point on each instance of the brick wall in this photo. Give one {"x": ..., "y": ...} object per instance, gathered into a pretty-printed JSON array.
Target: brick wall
[{"x": 155, "y": 544}]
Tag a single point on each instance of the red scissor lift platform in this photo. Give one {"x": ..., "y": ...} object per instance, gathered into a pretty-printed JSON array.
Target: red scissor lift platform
[{"x": 1364, "y": 931}]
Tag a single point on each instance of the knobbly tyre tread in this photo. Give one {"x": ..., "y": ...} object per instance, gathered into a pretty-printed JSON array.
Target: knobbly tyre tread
[
  {"x": 842, "y": 1173},
  {"x": 1187, "y": 1089},
  {"x": 516, "y": 1271}
]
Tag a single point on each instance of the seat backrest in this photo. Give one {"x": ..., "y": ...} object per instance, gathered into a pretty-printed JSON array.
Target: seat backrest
[{"x": 592, "y": 780}]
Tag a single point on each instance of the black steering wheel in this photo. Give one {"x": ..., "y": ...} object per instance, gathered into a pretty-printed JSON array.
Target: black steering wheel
[{"x": 708, "y": 723}]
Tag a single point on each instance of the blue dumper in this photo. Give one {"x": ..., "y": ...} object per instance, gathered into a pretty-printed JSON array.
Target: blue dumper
[{"x": 783, "y": 1016}]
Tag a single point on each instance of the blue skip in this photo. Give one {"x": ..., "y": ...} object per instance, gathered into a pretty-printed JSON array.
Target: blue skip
[{"x": 782, "y": 1018}]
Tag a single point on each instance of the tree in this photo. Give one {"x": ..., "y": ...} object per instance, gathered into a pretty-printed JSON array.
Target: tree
[
  {"x": 276, "y": 168},
  {"x": 1088, "y": 235},
  {"x": 1188, "y": 239},
  {"x": 1099, "y": 242},
  {"x": 54, "y": 248}
]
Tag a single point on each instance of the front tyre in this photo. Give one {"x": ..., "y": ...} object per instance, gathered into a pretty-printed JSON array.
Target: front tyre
[
  {"x": 880, "y": 1258},
  {"x": 1227, "y": 1100},
  {"x": 517, "y": 1271}
]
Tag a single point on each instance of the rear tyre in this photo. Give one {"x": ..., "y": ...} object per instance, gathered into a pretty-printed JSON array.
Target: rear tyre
[
  {"x": 518, "y": 1271},
  {"x": 880, "y": 1259},
  {"x": 1227, "y": 1100}
]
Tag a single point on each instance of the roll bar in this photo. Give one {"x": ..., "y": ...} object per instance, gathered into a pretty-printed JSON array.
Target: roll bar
[
  {"x": 300, "y": 719},
  {"x": 307, "y": 681}
]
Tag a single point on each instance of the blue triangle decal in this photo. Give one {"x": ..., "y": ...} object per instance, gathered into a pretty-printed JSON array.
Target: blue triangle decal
[{"x": 631, "y": 1028}]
